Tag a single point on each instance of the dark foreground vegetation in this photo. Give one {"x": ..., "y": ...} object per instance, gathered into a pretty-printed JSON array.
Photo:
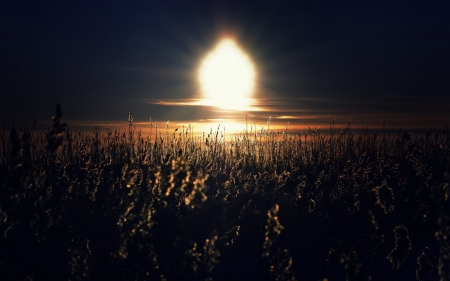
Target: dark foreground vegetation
[{"x": 262, "y": 206}]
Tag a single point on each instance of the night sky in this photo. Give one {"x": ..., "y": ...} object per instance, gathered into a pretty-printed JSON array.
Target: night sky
[{"x": 362, "y": 61}]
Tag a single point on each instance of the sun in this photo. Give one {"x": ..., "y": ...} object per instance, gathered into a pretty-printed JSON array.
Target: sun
[{"x": 227, "y": 77}]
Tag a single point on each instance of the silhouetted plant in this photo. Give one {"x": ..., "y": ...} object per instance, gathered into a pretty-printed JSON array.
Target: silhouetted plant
[
  {"x": 55, "y": 134},
  {"x": 385, "y": 197},
  {"x": 426, "y": 262},
  {"x": 402, "y": 247}
]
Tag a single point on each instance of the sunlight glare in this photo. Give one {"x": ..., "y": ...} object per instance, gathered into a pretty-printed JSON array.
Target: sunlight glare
[{"x": 227, "y": 77}]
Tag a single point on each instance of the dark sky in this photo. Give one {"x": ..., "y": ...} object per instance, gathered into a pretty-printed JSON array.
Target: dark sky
[{"x": 367, "y": 61}]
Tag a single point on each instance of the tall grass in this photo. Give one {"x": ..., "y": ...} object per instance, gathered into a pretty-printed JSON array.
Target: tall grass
[{"x": 261, "y": 205}]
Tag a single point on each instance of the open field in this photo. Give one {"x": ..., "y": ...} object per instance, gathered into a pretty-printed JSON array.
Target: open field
[{"x": 259, "y": 206}]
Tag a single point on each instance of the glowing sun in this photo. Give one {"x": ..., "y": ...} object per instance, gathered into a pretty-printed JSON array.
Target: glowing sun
[{"x": 227, "y": 77}]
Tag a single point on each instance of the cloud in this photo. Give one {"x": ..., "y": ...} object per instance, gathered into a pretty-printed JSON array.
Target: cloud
[
  {"x": 287, "y": 117},
  {"x": 175, "y": 102},
  {"x": 363, "y": 110}
]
